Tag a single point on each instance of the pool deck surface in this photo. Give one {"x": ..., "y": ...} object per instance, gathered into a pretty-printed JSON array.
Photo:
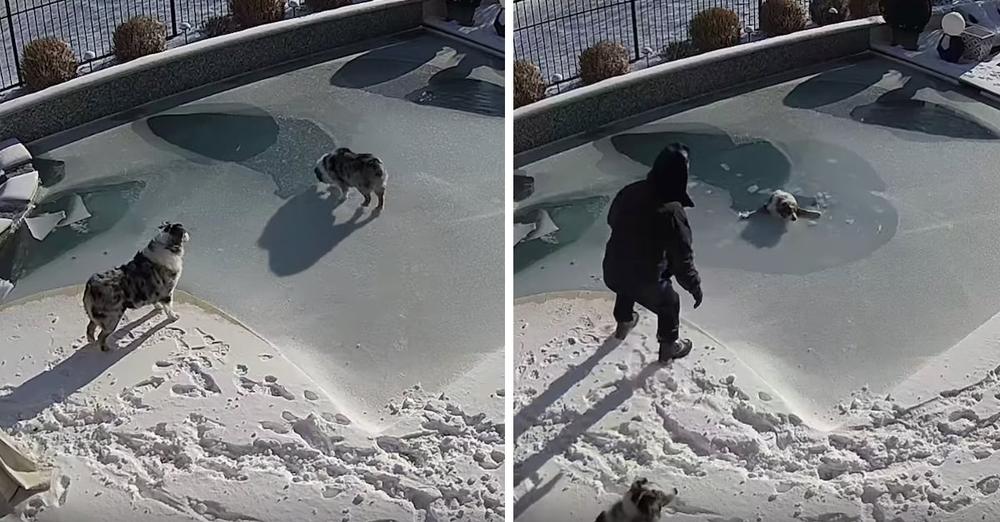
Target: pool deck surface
[
  {"x": 901, "y": 266},
  {"x": 367, "y": 305}
]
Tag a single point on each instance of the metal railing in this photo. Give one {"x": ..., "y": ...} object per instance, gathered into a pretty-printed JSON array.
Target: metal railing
[
  {"x": 553, "y": 33},
  {"x": 87, "y": 25}
]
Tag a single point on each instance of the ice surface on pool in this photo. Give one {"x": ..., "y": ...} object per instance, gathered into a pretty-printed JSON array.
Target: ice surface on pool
[
  {"x": 901, "y": 266},
  {"x": 367, "y": 306}
]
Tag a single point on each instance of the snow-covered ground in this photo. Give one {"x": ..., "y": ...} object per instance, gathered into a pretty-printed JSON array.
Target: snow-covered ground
[
  {"x": 201, "y": 419},
  {"x": 593, "y": 414}
]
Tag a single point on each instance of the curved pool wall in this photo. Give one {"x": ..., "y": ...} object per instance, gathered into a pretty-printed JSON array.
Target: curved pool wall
[
  {"x": 587, "y": 109},
  {"x": 131, "y": 85}
]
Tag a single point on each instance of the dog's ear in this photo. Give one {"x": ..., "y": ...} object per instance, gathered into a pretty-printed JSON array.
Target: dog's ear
[{"x": 165, "y": 226}]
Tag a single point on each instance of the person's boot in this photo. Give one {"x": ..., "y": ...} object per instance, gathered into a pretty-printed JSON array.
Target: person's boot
[
  {"x": 670, "y": 350},
  {"x": 624, "y": 328}
]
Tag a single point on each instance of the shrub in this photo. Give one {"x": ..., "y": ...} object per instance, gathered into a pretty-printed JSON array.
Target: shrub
[
  {"x": 138, "y": 37},
  {"x": 907, "y": 15},
  {"x": 602, "y": 61},
  {"x": 219, "y": 25},
  {"x": 529, "y": 86},
  {"x": 678, "y": 50},
  {"x": 251, "y": 13},
  {"x": 715, "y": 28},
  {"x": 325, "y": 5},
  {"x": 826, "y": 12},
  {"x": 47, "y": 62},
  {"x": 779, "y": 17},
  {"x": 863, "y": 8}
]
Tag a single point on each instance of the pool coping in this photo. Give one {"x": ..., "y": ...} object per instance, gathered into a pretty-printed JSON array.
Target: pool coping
[
  {"x": 124, "y": 87},
  {"x": 588, "y": 109}
]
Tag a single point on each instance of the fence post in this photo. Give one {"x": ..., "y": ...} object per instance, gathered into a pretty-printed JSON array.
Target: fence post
[
  {"x": 173, "y": 17},
  {"x": 13, "y": 40},
  {"x": 635, "y": 30}
]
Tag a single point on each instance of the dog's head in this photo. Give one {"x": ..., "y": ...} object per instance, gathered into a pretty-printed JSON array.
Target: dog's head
[
  {"x": 646, "y": 500},
  {"x": 785, "y": 205},
  {"x": 172, "y": 234}
]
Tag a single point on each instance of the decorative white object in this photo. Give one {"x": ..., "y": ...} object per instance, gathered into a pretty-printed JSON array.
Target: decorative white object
[
  {"x": 185, "y": 26},
  {"x": 19, "y": 188},
  {"x": 953, "y": 24},
  {"x": 42, "y": 225},
  {"x": 89, "y": 55},
  {"x": 13, "y": 154}
]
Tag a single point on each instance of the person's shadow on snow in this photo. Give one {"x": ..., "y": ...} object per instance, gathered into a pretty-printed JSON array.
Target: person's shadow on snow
[
  {"x": 73, "y": 373},
  {"x": 304, "y": 230}
]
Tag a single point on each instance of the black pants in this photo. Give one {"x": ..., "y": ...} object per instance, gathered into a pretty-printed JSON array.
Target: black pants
[{"x": 660, "y": 299}]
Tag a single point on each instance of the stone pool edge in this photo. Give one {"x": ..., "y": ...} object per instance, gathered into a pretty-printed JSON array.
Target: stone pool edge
[
  {"x": 130, "y": 85},
  {"x": 589, "y": 108}
]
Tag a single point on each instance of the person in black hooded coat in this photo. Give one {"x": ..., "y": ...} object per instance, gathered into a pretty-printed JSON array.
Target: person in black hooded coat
[{"x": 650, "y": 242}]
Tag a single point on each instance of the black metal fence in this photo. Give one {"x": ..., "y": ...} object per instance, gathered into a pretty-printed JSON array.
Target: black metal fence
[
  {"x": 553, "y": 33},
  {"x": 87, "y": 25}
]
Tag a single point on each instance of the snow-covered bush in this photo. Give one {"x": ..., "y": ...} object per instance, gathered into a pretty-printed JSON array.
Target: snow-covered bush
[
  {"x": 251, "y": 13},
  {"x": 779, "y": 17},
  {"x": 529, "y": 86},
  {"x": 603, "y": 60},
  {"x": 678, "y": 50},
  {"x": 47, "y": 62},
  {"x": 138, "y": 37},
  {"x": 863, "y": 8},
  {"x": 715, "y": 28}
]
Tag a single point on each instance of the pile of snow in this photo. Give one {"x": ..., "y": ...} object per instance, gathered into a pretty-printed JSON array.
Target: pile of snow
[
  {"x": 592, "y": 414},
  {"x": 202, "y": 420}
]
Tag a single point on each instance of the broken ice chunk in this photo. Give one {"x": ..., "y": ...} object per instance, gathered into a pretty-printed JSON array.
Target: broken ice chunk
[
  {"x": 76, "y": 211},
  {"x": 752, "y": 189},
  {"x": 522, "y": 230},
  {"x": 5, "y": 288},
  {"x": 725, "y": 166},
  {"x": 544, "y": 226},
  {"x": 41, "y": 225}
]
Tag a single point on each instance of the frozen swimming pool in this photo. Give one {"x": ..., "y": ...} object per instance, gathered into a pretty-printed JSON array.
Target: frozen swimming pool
[
  {"x": 367, "y": 306},
  {"x": 900, "y": 268}
]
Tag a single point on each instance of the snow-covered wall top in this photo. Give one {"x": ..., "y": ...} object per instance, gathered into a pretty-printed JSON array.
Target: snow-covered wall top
[
  {"x": 128, "y": 86},
  {"x": 589, "y": 108}
]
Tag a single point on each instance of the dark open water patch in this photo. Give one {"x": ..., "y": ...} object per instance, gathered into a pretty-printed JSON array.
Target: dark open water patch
[
  {"x": 925, "y": 117},
  {"x": 737, "y": 173},
  {"x": 107, "y": 204},
  {"x": 463, "y": 94},
  {"x": 573, "y": 217},
  {"x": 285, "y": 149}
]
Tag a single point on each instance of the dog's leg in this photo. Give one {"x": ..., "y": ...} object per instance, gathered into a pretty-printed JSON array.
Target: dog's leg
[
  {"x": 108, "y": 326},
  {"x": 368, "y": 197},
  {"x": 91, "y": 331},
  {"x": 167, "y": 305},
  {"x": 343, "y": 190},
  {"x": 381, "y": 200}
]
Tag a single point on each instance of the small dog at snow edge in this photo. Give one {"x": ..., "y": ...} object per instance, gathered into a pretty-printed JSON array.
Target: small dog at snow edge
[{"x": 346, "y": 169}]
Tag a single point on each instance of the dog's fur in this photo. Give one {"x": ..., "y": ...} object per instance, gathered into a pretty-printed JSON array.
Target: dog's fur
[
  {"x": 148, "y": 279},
  {"x": 784, "y": 205},
  {"x": 346, "y": 169},
  {"x": 641, "y": 503}
]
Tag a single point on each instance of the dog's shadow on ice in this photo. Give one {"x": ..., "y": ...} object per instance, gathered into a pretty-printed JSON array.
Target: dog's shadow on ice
[
  {"x": 73, "y": 373},
  {"x": 305, "y": 229},
  {"x": 763, "y": 230}
]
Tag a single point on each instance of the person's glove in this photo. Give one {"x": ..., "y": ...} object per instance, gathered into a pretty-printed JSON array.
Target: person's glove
[{"x": 696, "y": 294}]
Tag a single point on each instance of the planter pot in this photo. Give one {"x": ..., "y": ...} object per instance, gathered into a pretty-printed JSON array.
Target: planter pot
[
  {"x": 908, "y": 39},
  {"x": 462, "y": 12}
]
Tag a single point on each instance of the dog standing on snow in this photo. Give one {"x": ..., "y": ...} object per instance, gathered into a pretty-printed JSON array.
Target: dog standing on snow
[
  {"x": 148, "y": 279},
  {"x": 784, "y": 205},
  {"x": 347, "y": 169},
  {"x": 641, "y": 503}
]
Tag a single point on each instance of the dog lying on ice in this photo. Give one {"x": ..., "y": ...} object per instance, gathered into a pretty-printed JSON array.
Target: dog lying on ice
[
  {"x": 148, "y": 279},
  {"x": 641, "y": 503},
  {"x": 784, "y": 205},
  {"x": 347, "y": 169}
]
